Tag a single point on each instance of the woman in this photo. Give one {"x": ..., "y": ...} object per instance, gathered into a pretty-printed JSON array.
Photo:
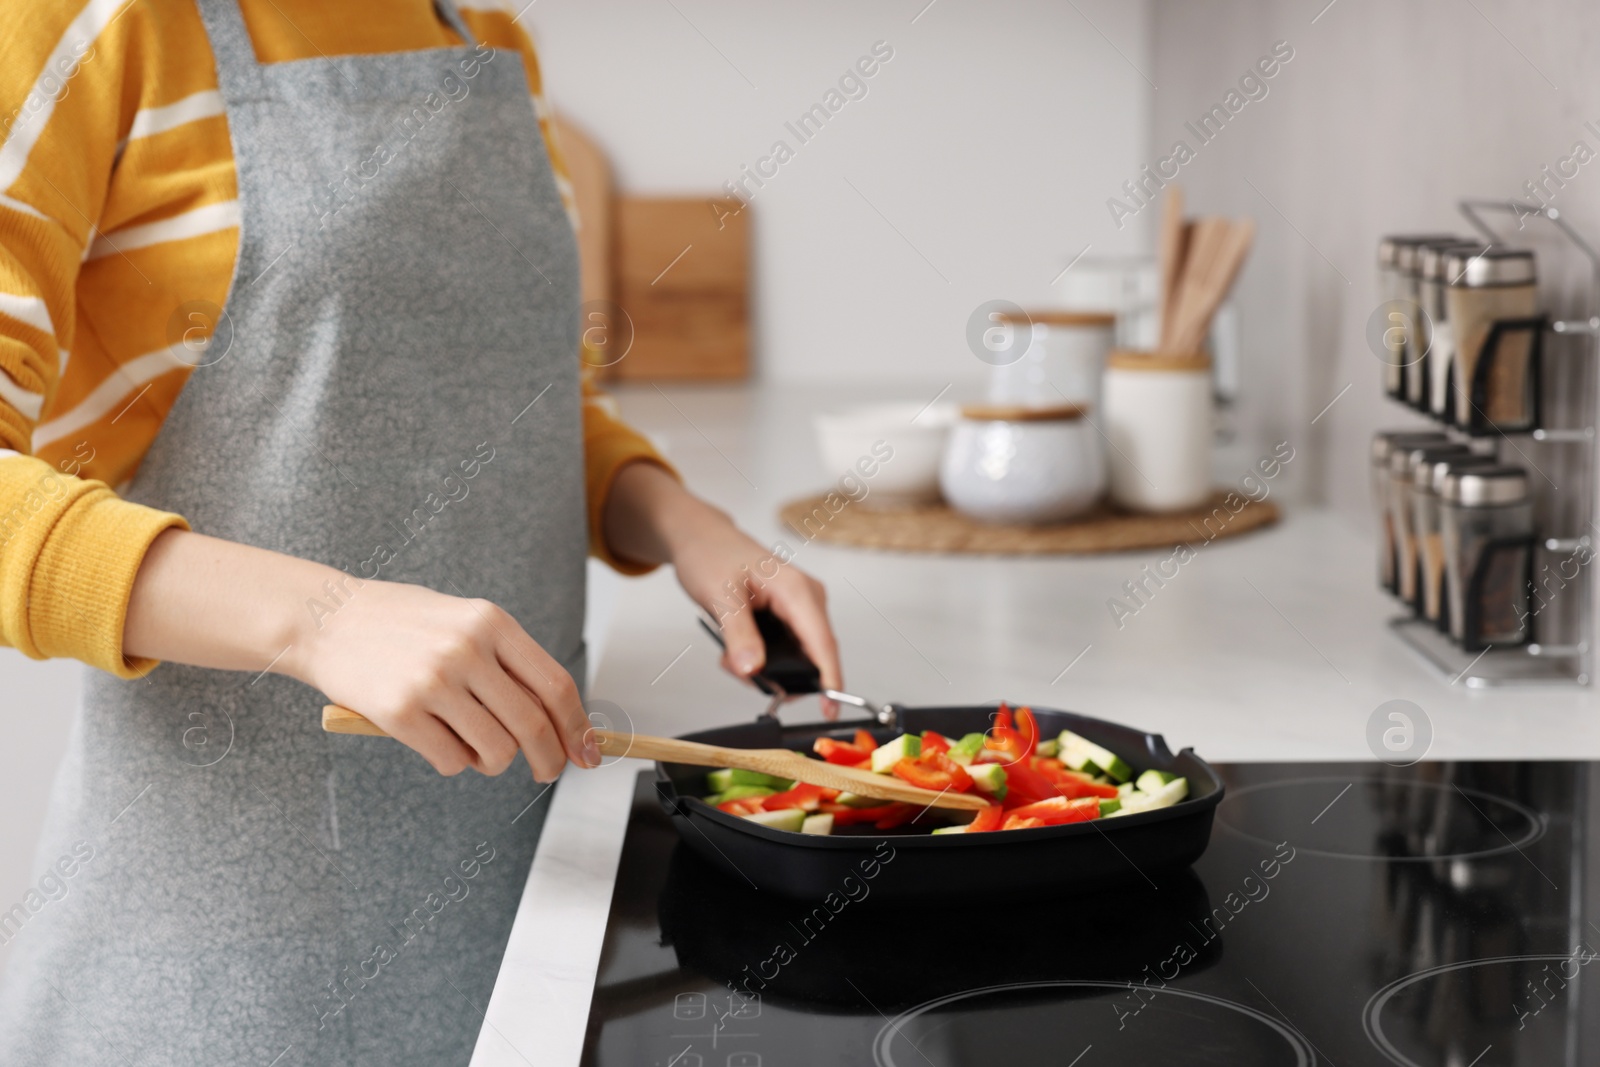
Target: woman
[{"x": 376, "y": 484}]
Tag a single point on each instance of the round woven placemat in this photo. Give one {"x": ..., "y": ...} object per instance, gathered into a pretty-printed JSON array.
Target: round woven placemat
[{"x": 938, "y": 528}]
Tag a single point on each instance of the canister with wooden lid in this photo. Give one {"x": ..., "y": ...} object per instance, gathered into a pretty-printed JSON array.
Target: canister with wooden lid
[
  {"x": 1063, "y": 362},
  {"x": 1158, "y": 420}
]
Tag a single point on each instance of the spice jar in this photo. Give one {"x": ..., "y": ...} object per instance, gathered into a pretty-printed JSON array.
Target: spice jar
[
  {"x": 1399, "y": 278},
  {"x": 1384, "y": 443},
  {"x": 1491, "y": 302},
  {"x": 1401, "y": 462},
  {"x": 1439, "y": 353},
  {"x": 1427, "y": 479},
  {"x": 1486, "y": 520}
]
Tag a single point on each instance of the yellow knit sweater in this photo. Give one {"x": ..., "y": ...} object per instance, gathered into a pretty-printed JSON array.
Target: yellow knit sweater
[{"x": 118, "y": 213}]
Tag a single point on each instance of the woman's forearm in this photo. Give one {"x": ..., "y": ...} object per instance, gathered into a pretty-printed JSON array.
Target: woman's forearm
[
  {"x": 212, "y": 603},
  {"x": 649, "y": 514}
]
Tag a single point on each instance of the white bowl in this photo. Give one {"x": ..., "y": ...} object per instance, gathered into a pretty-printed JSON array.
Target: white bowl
[
  {"x": 890, "y": 452},
  {"x": 1024, "y": 471}
]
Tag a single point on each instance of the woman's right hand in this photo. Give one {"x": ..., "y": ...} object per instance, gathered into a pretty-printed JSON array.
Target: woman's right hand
[{"x": 456, "y": 679}]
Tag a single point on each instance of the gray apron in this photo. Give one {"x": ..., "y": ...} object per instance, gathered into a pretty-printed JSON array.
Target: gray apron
[{"x": 244, "y": 889}]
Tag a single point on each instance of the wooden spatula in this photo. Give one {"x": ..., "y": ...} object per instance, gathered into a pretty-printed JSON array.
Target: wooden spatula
[
  {"x": 1173, "y": 236},
  {"x": 778, "y": 762}
]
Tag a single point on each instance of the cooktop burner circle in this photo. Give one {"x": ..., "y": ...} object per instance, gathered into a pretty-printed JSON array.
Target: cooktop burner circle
[
  {"x": 1372, "y": 1014},
  {"x": 1272, "y": 1033},
  {"x": 1335, "y": 818}
]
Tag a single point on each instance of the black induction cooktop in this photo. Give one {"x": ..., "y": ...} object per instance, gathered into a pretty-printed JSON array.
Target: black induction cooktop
[{"x": 1439, "y": 915}]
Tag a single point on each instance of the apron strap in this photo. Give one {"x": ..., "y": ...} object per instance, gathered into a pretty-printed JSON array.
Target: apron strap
[
  {"x": 237, "y": 66},
  {"x": 452, "y": 18}
]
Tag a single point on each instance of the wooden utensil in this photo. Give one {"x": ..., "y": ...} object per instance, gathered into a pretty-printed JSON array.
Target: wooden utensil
[
  {"x": 1173, "y": 235},
  {"x": 778, "y": 762},
  {"x": 1218, "y": 250}
]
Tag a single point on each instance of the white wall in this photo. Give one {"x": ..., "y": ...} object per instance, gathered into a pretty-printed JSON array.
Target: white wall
[
  {"x": 1386, "y": 116},
  {"x": 989, "y": 142}
]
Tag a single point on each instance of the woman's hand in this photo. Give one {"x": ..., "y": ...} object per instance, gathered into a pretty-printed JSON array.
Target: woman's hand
[
  {"x": 651, "y": 518},
  {"x": 455, "y": 679}
]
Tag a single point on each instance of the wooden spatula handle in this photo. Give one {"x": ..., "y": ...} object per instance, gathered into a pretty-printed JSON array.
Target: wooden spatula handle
[{"x": 341, "y": 720}]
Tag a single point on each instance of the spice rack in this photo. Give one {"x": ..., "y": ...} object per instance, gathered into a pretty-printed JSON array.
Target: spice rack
[{"x": 1559, "y": 453}]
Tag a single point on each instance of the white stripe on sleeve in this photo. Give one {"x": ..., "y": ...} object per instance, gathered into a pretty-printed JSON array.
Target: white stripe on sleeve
[
  {"x": 202, "y": 220},
  {"x": 29, "y": 404},
  {"x": 109, "y": 393},
  {"x": 29, "y": 310},
  {"x": 51, "y": 85},
  {"x": 153, "y": 120}
]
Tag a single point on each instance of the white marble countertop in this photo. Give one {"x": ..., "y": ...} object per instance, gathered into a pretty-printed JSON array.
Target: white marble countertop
[{"x": 1271, "y": 646}]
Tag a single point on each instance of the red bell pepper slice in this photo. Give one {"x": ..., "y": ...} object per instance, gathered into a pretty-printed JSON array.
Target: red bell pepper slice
[
  {"x": 934, "y": 770},
  {"x": 935, "y": 742},
  {"x": 803, "y": 796},
  {"x": 1024, "y": 785},
  {"x": 865, "y": 741},
  {"x": 840, "y": 752},
  {"x": 1058, "y": 810},
  {"x": 986, "y": 820},
  {"x": 844, "y": 816},
  {"x": 745, "y": 806},
  {"x": 1015, "y": 823},
  {"x": 1073, "y": 785},
  {"x": 1028, "y": 730},
  {"x": 903, "y": 814}
]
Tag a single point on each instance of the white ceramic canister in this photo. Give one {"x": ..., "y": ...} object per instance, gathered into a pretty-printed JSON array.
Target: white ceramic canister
[
  {"x": 1023, "y": 464},
  {"x": 1158, "y": 420},
  {"x": 1063, "y": 361}
]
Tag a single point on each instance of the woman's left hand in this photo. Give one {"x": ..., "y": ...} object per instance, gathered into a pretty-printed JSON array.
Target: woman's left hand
[{"x": 650, "y": 517}]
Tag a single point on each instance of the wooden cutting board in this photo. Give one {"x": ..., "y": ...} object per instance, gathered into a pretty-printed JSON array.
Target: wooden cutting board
[{"x": 681, "y": 271}]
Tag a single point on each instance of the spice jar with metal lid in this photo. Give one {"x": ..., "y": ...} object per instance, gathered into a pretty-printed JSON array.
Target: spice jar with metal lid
[
  {"x": 1439, "y": 348},
  {"x": 1401, "y": 463},
  {"x": 1383, "y": 443},
  {"x": 1417, "y": 369},
  {"x": 1486, "y": 522},
  {"x": 1427, "y": 477},
  {"x": 1492, "y": 303},
  {"x": 1398, "y": 281}
]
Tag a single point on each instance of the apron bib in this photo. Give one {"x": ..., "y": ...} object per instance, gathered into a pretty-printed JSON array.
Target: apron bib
[{"x": 393, "y": 391}]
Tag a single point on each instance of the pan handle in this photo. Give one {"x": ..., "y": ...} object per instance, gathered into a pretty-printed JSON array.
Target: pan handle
[{"x": 788, "y": 671}]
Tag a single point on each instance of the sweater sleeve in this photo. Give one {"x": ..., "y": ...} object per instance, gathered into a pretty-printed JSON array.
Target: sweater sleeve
[{"x": 69, "y": 547}]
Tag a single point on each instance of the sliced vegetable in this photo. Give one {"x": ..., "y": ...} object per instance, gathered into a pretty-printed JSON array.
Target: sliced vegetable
[
  {"x": 1061, "y": 810},
  {"x": 884, "y": 757},
  {"x": 804, "y": 796},
  {"x": 902, "y": 814},
  {"x": 865, "y": 741},
  {"x": 934, "y": 742},
  {"x": 986, "y": 820},
  {"x": 840, "y": 752},
  {"x": 1003, "y": 735},
  {"x": 789, "y": 819},
  {"x": 1027, "y": 731},
  {"x": 725, "y": 779},
  {"x": 1078, "y": 752},
  {"x": 739, "y": 792},
  {"x": 1013, "y": 822},
  {"x": 964, "y": 750},
  {"x": 989, "y": 778},
  {"x": 1152, "y": 780},
  {"x": 934, "y": 770},
  {"x": 1109, "y": 807},
  {"x": 1165, "y": 797},
  {"x": 856, "y": 800},
  {"x": 1048, "y": 747},
  {"x": 843, "y": 816},
  {"x": 817, "y": 824}
]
